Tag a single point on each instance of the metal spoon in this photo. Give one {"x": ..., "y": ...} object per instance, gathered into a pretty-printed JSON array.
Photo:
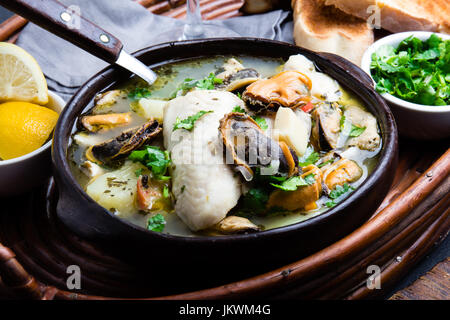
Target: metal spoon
[{"x": 67, "y": 24}]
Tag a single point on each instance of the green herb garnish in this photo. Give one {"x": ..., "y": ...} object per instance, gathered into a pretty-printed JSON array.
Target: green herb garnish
[
  {"x": 261, "y": 122},
  {"x": 293, "y": 183},
  {"x": 188, "y": 123},
  {"x": 138, "y": 172},
  {"x": 239, "y": 109},
  {"x": 356, "y": 131},
  {"x": 416, "y": 71},
  {"x": 255, "y": 200},
  {"x": 156, "y": 223},
  {"x": 342, "y": 123},
  {"x": 310, "y": 157},
  {"x": 138, "y": 93},
  {"x": 323, "y": 164},
  {"x": 154, "y": 158},
  {"x": 166, "y": 192},
  {"x": 207, "y": 83},
  {"x": 338, "y": 192}
]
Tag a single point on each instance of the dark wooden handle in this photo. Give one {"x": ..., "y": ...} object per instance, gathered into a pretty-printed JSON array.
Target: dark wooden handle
[{"x": 68, "y": 23}]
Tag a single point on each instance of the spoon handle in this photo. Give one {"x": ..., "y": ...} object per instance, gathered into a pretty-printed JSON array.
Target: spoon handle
[{"x": 68, "y": 23}]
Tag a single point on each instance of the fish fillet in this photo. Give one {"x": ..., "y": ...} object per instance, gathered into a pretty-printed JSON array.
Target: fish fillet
[{"x": 205, "y": 188}]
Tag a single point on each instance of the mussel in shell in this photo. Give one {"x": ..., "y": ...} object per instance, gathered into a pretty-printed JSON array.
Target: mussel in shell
[
  {"x": 240, "y": 79},
  {"x": 341, "y": 172},
  {"x": 123, "y": 144},
  {"x": 289, "y": 89},
  {"x": 326, "y": 127},
  {"x": 300, "y": 198},
  {"x": 235, "y": 224},
  {"x": 95, "y": 122},
  {"x": 248, "y": 147}
]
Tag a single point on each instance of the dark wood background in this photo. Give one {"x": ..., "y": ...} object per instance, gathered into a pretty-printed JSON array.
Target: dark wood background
[{"x": 439, "y": 254}]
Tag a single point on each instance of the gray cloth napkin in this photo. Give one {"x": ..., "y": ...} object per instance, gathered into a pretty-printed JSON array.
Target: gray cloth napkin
[{"x": 66, "y": 67}]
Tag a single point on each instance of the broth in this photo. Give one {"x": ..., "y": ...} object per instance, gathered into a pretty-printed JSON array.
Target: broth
[{"x": 169, "y": 79}]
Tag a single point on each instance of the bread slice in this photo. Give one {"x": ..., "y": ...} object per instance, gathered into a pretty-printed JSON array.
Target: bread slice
[
  {"x": 324, "y": 28},
  {"x": 401, "y": 15}
]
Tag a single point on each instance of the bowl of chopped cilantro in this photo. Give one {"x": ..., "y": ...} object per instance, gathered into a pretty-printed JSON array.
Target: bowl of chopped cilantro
[{"x": 411, "y": 70}]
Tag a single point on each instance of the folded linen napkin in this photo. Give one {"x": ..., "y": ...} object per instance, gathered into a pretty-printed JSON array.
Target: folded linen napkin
[{"x": 67, "y": 67}]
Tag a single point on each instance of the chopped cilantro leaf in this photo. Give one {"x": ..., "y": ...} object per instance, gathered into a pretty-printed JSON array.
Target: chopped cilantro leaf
[
  {"x": 338, "y": 191},
  {"x": 166, "y": 192},
  {"x": 239, "y": 109},
  {"x": 207, "y": 83},
  {"x": 138, "y": 172},
  {"x": 310, "y": 157},
  {"x": 255, "y": 200},
  {"x": 342, "y": 123},
  {"x": 188, "y": 123},
  {"x": 156, "y": 223},
  {"x": 323, "y": 164},
  {"x": 415, "y": 71},
  {"x": 138, "y": 93},
  {"x": 261, "y": 122},
  {"x": 293, "y": 183},
  {"x": 152, "y": 157},
  {"x": 356, "y": 131},
  {"x": 310, "y": 179},
  {"x": 330, "y": 204}
]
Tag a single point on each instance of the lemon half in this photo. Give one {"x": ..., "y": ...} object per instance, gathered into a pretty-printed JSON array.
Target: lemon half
[
  {"x": 24, "y": 127},
  {"x": 21, "y": 77}
]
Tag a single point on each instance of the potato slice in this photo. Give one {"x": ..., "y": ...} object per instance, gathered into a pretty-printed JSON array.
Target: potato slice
[
  {"x": 292, "y": 130},
  {"x": 116, "y": 190},
  {"x": 151, "y": 108}
]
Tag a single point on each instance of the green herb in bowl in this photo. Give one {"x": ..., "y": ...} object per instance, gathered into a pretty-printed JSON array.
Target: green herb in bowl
[{"x": 416, "y": 71}]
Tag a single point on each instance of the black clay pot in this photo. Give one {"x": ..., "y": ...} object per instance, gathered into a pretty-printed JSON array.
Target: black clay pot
[{"x": 194, "y": 262}]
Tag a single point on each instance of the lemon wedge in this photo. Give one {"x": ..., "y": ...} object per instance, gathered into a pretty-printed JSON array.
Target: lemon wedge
[
  {"x": 21, "y": 77},
  {"x": 24, "y": 127}
]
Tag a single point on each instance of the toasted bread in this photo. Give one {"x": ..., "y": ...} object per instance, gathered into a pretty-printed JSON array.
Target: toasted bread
[
  {"x": 401, "y": 15},
  {"x": 324, "y": 28}
]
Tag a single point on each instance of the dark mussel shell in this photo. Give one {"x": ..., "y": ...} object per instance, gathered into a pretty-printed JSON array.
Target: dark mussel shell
[
  {"x": 248, "y": 147},
  {"x": 123, "y": 144}
]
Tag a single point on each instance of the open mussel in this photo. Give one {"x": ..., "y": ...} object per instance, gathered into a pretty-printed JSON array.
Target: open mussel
[
  {"x": 235, "y": 76},
  {"x": 289, "y": 89},
  {"x": 340, "y": 172},
  {"x": 302, "y": 198},
  {"x": 94, "y": 123},
  {"x": 369, "y": 139},
  {"x": 248, "y": 147},
  {"x": 326, "y": 126},
  {"x": 123, "y": 144},
  {"x": 236, "y": 225},
  {"x": 240, "y": 79}
]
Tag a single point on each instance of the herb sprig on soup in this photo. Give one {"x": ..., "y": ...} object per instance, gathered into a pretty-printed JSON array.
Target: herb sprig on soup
[{"x": 224, "y": 145}]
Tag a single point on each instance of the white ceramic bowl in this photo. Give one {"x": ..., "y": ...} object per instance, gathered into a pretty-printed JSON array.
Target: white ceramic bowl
[
  {"x": 21, "y": 174},
  {"x": 413, "y": 120}
]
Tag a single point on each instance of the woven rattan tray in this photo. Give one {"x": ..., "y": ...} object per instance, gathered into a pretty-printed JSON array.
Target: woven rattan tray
[{"x": 35, "y": 249}]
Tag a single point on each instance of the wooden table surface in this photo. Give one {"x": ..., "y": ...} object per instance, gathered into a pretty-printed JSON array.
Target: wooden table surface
[{"x": 430, "y": 279}]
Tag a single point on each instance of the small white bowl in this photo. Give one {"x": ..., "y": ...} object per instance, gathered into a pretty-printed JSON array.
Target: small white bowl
[
  {"x": 21, "y": 174},
  {"x": 413, "y": 120}
]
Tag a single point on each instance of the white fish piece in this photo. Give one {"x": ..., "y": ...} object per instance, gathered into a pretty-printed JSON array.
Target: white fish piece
[
  {"x": 323, "y": 86},
  {"x": 204, "y": 186},
  {"x": 91, "y": 170}
]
